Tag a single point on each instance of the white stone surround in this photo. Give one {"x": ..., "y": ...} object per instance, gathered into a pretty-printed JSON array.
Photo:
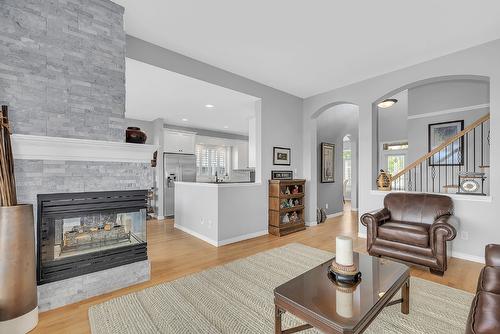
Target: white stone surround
[{"x": 71, "y": 290}]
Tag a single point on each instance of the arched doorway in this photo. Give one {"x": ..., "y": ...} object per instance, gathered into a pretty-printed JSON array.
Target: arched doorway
[{"x": 334, "y": 124}]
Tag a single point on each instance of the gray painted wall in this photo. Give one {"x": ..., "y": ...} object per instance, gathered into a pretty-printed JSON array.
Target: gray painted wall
[
  {"x": 333, "y": 125},
  {"x": 393, "y": 121},
  {"x": 62, "y": 68},
  {"x": 447, "y": 95}
]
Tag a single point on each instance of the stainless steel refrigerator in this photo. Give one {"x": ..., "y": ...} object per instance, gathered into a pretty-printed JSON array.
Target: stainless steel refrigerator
[{"x": 177, "y": 167}]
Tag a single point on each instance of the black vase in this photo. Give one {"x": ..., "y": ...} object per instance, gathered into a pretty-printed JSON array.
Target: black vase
[{"x": 135, "y": 135}]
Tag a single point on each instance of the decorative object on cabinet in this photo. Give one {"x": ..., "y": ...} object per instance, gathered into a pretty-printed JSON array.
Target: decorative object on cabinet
[
  {"x": 286, "y": 218},
  {"x": 384, "y": 181},
  {"x": 439, "y": 133},
  {"x": 281, "y": 204},
  {"x": 327, "y": 163},
  {"x": 281, "y": 175},
  {"x": 295, "y": 189},
  {"x": 287, "y": 191},
  {"x": 18, "y": 291},
  {"x": 471, "y": 183},
  {"x": 281, "y": 156},
  {"x": 135, "y": 135}
]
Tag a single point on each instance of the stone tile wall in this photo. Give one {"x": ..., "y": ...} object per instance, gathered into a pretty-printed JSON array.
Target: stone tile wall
[
  {"x": 45, "y": 176},
  {"x": 62, "y": 67}
]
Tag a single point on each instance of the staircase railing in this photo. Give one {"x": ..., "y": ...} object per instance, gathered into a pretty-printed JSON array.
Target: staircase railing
[{"x": 465, "y": 153}]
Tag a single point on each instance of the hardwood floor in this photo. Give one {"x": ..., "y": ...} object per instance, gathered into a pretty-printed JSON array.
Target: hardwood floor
[{"x": 174, "y": 254}]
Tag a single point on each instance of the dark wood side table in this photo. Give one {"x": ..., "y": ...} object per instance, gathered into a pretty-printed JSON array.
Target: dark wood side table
[{"x": 315, "y": 299}]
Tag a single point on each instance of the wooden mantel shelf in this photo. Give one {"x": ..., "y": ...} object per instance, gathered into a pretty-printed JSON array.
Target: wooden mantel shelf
[{"x": 29, "y": 147}]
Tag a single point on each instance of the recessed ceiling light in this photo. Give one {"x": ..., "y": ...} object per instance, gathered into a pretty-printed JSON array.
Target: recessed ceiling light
[
  {"x": 226, "y": 127},
  {"x": 185, "y": 119},
  {"x": 387, "y": 103},
  {"x": 210, "y": 106}
]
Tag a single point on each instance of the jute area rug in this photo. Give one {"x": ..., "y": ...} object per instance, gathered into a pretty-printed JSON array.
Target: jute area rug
[{"x": 238, "y": 298}]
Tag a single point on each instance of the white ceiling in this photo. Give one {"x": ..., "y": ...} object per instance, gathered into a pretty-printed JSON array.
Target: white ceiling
[
  {"x": 308, "y": 47},
  {"x": 153, "y": 92}
]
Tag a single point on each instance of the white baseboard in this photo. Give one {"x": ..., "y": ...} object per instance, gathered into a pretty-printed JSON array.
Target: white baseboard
[
  {"x": 197, "y": 235},
  {"x": 217, "y": 243},
  {"x": 242, "y": 237},
  {"x": 457, "y": 255},
  {"x": 160, "y": 217},
  {"x": 467, "y": 257},
  {"x": 309, "y": 224},
  {"x": 336, "y": 214},
  {"x": 354, "y": 209}
]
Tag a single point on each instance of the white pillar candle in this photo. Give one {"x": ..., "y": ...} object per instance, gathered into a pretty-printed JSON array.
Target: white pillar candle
[
  {"x": 343, "y": 253},
  {"x": 343, "y": 303}
]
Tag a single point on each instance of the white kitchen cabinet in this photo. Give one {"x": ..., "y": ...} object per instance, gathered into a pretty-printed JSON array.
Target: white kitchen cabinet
[{"x": 179, "y": 142}]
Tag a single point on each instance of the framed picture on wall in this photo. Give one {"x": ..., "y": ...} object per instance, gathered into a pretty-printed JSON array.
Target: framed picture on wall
[
  {"x": 327, "y": 163},
  {"x": 453, "y": 154},
  {"x": 281, "y": 156}
]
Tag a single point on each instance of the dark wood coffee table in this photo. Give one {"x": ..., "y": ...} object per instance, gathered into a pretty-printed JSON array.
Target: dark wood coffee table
[{"x": 315, "y": 299}]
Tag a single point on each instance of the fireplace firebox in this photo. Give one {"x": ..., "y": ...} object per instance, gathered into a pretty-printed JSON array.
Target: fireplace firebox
[{"x": 80, "y": 233}]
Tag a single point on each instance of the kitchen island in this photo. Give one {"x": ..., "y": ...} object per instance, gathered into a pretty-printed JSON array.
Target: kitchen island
[{"x": 221, "y": 213}]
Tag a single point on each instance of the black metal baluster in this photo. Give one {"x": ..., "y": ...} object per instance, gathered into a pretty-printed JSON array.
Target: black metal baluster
[
  {"x": 427, "y": 175},
  {"x": 415, "y": 178},
  {"x": 421, "y": 189},
  {"x": 474, "y": 152},
  {"x": 482, "y": 144},
  {"x": 446, "y": 167},
  {"x": 433, "y": 174},
  {"x": 439, "y": 172}
]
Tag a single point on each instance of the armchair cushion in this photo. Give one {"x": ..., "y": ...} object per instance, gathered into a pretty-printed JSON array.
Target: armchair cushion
[
  {"x": 492, "y": 255},
  {"x": 416, "y": 234},
  {"x": 489, "y": 280},
  {"x": 483, "y": 316}
]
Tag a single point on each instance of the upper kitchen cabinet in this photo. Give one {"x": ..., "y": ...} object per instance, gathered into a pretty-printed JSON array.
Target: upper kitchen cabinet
[{"x": 179, "y": 141}]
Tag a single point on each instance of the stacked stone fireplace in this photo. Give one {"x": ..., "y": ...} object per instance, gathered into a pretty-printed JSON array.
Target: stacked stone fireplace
[{"x": 62, "y": 65}]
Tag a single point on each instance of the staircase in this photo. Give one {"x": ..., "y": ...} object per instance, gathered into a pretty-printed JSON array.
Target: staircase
[{"x": 464, "y": 159}]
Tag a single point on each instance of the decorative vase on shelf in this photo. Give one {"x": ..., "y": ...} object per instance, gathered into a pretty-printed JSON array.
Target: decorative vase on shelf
[
  {"x": 135, "y": 135},
  {"x": 384, "y": 181}
]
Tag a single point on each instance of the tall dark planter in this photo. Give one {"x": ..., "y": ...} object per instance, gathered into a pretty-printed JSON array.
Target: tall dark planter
[{"x": 18, "y": 290}]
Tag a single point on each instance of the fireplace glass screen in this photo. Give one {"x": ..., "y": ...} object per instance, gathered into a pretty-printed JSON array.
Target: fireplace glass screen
[
  {"x": 80, "y": 233},
  {"x": 96, "y": 232}
]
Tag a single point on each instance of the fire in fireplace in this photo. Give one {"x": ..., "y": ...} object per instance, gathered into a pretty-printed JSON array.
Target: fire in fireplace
[{"x": 80, "y": 233}]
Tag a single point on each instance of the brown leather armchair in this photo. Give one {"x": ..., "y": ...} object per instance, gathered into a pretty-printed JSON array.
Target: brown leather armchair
[
  {"x": 413, "y": 228},
  {"x": 484, "y": 315}
]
